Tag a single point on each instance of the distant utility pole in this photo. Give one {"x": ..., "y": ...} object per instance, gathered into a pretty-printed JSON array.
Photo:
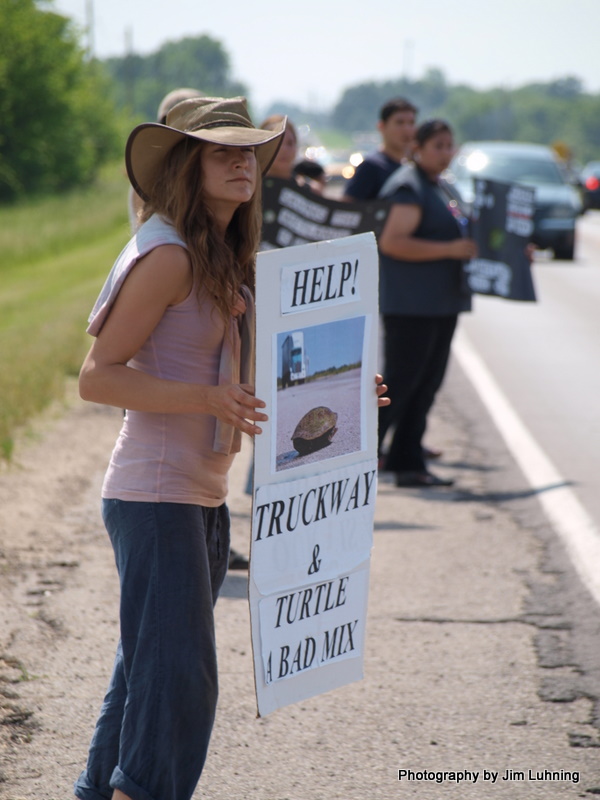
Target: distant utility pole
[
  {"x": 89, "y": 24},
  {"x": 129, "y": 70},
  {"x": 407, "y": 57}
]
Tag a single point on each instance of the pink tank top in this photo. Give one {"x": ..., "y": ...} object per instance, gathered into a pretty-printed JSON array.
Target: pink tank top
[{"x": 178, "y": 458}]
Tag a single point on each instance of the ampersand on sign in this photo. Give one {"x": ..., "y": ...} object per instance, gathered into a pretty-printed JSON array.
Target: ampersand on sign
[{"x": 316, "y": 561}]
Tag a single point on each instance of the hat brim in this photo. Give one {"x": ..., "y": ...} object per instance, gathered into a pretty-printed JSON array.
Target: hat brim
[{"x": 150, "y": 142}]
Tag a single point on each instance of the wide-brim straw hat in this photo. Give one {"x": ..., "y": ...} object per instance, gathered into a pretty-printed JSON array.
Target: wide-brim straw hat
[{"x": 215, "y": 120}]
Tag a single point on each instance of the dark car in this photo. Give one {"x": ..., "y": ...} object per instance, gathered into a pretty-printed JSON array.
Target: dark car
[
  {"x": 590, "y": 183},
  {"x": 557, "y": 202}
]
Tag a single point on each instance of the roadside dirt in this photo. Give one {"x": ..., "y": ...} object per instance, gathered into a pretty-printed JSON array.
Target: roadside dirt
[{"x": 49, "y": 538}]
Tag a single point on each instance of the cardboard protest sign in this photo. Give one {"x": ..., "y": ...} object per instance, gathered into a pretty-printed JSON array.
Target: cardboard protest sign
[
  {"x": 501, "y": 225},
  {"x": 294, "y": 215},
  {"x": 315, "y": 466}
]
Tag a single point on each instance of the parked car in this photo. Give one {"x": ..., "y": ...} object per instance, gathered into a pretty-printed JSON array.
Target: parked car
[
  {"x": 557, "y": 202},
  {"x": 590, "y": 183}
]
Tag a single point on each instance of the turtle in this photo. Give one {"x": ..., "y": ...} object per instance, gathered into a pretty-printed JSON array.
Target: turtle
[{"x": 315, "y": 430}]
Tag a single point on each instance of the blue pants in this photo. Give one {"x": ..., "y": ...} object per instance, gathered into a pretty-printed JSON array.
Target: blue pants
[{"x": 152, "y": 735}]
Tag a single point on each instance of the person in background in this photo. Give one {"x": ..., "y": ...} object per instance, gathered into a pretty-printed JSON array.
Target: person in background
[
  {"x": 397, "y": 124},
  {"x": 397, "y": 128},
  {"x": 173, "y": 345},
  {"x": 422, "y": 247},
  {"x": 135, "y": 204},
  {"x": 305, "y": 172},
  {"x": 311, "y": 174},
  {"x": 284, "y": 162},
  {"x": 283, "y": 167}
]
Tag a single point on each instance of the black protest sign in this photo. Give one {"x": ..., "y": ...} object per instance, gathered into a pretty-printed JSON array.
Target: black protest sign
[
  {"x": 501, "y": 225},
  {"x": 294, "y": 215}
]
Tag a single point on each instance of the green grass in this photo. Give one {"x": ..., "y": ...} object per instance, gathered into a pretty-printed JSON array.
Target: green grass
[{"x": 55, "y": 254}]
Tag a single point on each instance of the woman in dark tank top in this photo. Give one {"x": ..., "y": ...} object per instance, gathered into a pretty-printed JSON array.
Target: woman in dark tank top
[{"x": 422, "y": 248}]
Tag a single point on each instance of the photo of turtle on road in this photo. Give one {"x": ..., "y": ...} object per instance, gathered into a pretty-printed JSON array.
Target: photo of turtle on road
[
  {"x": 319, "y": 378},
  {"x": 315, "y": 430},
  {"x": 319, "y": 420}
]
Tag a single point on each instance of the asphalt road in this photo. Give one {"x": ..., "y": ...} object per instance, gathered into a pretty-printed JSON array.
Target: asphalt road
[{"x": 546, "y": 359}]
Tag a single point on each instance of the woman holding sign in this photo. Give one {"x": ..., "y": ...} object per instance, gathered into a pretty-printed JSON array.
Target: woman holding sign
[
  {"x": 170, "y": 331},
  {"x": 172, "y": 328},
  {"x": 422, "y": 247}
]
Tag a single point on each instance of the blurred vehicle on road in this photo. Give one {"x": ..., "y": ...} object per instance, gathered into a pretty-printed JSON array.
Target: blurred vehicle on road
[
  {"x": 339, "y": 165},
  {"x": 590, "y": 182},
  {"x": 557, "y": 202}
]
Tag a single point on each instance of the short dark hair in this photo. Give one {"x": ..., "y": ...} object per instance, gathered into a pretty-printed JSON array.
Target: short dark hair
[
  {"x": 427, "y": 130},
  {"x": 395, "y": 105},
  {"x": 309, "y": 169}
]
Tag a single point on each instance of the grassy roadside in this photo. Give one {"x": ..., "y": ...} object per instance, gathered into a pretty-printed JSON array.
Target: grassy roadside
[{"x": 54, "y": 256}]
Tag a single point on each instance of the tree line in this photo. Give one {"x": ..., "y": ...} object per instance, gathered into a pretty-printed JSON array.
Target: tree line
[
  {"x": 63, "y": 115},
  {"x": 544, "y": 113},
  {"x": 140, "y": 82},
  {"x": 57, "y": 123}
]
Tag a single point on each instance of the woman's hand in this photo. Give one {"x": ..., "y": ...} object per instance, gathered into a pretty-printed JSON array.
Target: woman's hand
[
  {"x": 530, "y": 251},
  {"x": 463, "y": 249},
  {"x": 381, "y": 389},
  {"x": 235, "y": 404}
]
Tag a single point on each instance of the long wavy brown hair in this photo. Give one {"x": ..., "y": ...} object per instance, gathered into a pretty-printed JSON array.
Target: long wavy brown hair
[{"x": 220, "y": 265}]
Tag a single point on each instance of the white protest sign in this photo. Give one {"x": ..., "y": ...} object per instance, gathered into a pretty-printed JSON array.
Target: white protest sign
[
  {"x": 315, "y": 466},
  {"x": 314, "y": 625},
  {"x": 327, "y": 516},
  {"x": 306, "y": 285}
]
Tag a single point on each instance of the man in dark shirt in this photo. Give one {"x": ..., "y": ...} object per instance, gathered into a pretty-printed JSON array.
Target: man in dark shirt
[{"x": 397, "y": 127}]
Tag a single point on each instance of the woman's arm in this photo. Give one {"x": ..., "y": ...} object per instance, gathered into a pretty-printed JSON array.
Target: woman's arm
[
  {"x": 160, "y": 279},
  {"x": 397, "y": 239}
]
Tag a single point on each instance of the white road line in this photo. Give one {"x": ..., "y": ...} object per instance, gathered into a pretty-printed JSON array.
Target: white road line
[{"x": 567, "y": 516}]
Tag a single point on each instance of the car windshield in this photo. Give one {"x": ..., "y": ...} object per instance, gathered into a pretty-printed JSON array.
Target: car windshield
[{"x": 507, "y": 168}]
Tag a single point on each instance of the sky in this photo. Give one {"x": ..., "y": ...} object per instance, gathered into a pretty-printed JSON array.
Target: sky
[{"x": 308, "y": 53}]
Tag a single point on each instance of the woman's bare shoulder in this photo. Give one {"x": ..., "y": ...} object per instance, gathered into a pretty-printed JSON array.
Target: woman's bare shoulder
[{"x": 166, "y": 270}]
